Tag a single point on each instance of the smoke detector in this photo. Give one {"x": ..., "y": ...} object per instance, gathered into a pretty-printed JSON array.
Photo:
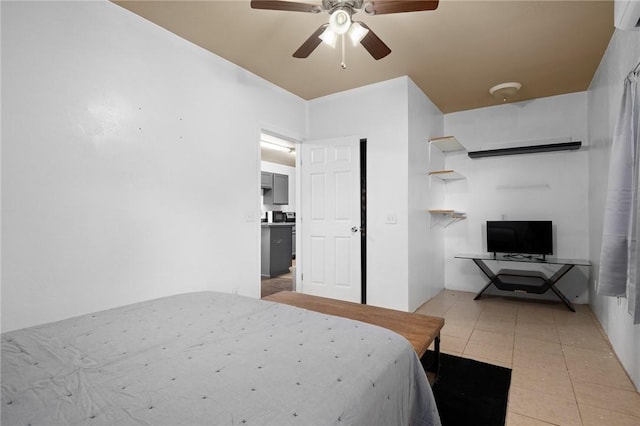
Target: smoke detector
[{"x": 505, "y": 90}]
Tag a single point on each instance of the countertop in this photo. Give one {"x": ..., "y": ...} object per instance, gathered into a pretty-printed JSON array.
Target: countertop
[{"x": 267, "y": 225}]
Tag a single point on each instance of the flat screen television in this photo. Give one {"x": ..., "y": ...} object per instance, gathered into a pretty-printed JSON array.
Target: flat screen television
[{"x": 520, "y": 237}]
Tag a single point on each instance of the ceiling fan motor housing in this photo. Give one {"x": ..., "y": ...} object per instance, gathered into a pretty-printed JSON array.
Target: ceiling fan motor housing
[{"x": 350, "y": 5}]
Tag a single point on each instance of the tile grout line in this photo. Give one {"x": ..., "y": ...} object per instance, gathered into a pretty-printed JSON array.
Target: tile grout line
[
  {"x": 468, "y": 339},
  {"x": 566, "y": 366}
]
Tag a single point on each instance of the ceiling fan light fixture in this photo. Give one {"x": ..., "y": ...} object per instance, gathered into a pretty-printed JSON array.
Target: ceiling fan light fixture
[
  {"x": 357, "y": 32},
  {"x": 329, "y": 37},
  {"x": 340, "y": 21},
  {"x": 505, "y": 90}
]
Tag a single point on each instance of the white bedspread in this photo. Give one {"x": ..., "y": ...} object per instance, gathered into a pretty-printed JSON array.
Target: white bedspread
[{"x": 212, "y": 358}]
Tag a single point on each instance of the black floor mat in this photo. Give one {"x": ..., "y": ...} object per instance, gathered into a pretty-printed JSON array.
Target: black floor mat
[{"x": 470, "y": 392}]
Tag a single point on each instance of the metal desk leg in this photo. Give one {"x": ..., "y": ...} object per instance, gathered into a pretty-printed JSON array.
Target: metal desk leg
[
  {"x": 554, "y": 279},
  {"x": 489, "y": 274}
]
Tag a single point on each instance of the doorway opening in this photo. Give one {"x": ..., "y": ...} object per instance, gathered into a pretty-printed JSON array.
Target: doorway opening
[{"x": 278, "y": 213}]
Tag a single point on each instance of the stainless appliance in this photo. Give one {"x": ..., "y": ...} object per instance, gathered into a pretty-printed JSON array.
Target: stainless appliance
[
  {"x": 275, "y": 217},
  {"x": 290, "y": 216}
]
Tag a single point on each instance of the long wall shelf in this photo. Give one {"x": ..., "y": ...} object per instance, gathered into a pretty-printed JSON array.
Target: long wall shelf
[{"x": 530, "y": 149}]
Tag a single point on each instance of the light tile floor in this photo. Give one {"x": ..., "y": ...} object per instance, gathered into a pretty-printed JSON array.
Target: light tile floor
[{"x": 564, "y": 371}]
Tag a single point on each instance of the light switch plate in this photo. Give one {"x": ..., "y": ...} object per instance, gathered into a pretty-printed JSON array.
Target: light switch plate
[{"x": 391, "y": 218}]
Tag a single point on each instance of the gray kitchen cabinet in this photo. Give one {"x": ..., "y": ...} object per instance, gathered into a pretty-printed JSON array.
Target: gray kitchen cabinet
[
  {"x": 275, "y": 252},
  {"x": 266, "y": 180},
  {"x": 293, "y": 242},
  {"x": 279, "y": 193}
]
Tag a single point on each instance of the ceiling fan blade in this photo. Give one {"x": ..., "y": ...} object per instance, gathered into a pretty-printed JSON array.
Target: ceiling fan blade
[
  {"x": 373, "y": 44},
  {"x": 311, "y": 43},
  {"x": 381, "y": 7},
  {"x": 285, "y": 5}
]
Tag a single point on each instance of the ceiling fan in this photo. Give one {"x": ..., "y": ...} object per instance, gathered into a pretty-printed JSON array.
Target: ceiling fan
[{"x": 341, "y": 21}]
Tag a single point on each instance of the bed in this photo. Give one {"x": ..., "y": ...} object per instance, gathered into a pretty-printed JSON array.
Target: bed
[{"x": 212, "y": 358}]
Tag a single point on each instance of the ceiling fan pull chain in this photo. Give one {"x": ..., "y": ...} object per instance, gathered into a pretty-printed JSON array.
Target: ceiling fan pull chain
[{"x": 344, "y": 63}]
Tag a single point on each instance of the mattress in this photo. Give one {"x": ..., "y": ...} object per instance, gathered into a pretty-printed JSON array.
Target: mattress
[{"x": 212, "y": 358}]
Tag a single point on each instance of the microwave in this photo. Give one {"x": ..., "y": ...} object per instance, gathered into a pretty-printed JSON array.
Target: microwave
[{"x": 276, "y": 217}]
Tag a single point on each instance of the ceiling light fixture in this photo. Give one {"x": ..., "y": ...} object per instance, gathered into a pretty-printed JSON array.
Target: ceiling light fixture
[
  {"x": 276, "y": 143},
  {"x": 505, "y": 90},
  {"x": 275, "y": 147},
  {"x": 340, "y": 21},
  {"x": 329, "y": 37},
  {"x": 357, "y": 32}
]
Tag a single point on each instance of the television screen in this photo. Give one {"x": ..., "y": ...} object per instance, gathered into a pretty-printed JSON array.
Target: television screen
[{"x": 520, "y": 237}]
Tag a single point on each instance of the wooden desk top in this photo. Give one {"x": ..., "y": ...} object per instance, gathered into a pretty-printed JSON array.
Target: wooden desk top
[{"x": 419, "y": 330}]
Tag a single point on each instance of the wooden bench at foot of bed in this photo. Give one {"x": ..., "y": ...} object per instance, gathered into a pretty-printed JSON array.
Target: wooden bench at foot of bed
[{"x": 419, "y": 330}]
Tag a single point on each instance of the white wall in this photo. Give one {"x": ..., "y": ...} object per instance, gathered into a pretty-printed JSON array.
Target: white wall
[
  {"x": 130, "y": 166},
  {"x": 545, "y": 186},
  {"x": 426, "y": 242},
  {"x": 397, "y": 120},
  {"x": 604, "y": 99},
  {"x": 267, "y": 166},
  {"x": 378, "y": 113}
]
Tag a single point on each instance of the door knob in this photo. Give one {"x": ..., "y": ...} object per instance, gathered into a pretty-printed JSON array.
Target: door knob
[{"x": 354, "y": 229}]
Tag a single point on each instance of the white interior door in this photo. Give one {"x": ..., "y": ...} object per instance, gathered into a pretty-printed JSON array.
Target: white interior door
[{"x": 330, "y": 202}]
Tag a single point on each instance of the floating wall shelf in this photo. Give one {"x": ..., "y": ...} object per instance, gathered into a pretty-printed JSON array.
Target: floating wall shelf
[
  {"x": 564, "y": 146},
  {"x": 452, "y": 216},
  {"x": 447, "y": 144},
  {"x": 451, "y": 213},
  {"x": 440, "y": 217},
  {"x": 446, "y": 175}
]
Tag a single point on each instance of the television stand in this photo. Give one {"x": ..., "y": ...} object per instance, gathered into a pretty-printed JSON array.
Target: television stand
[
  {"x": 518, "y": 257},
  {"x": 524, "y": 281}
]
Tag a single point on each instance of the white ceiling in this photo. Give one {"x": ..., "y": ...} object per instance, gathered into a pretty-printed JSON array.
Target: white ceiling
[{"x": 454, "y": 54}]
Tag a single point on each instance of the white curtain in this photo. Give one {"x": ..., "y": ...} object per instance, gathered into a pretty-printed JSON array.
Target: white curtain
[{"x": 619, "y": 263}]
